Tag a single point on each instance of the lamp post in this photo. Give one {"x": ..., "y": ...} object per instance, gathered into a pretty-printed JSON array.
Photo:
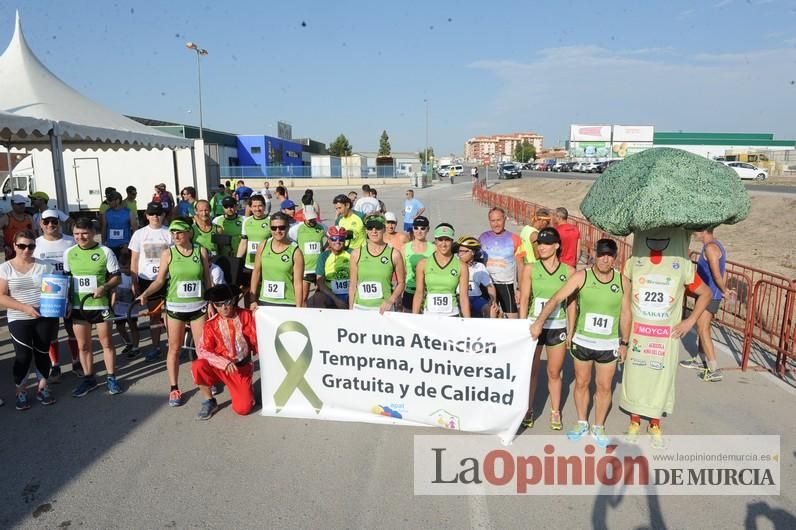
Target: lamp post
[
  {"x": 199, "y": 53},
  {"x": 426, "y": 157}
]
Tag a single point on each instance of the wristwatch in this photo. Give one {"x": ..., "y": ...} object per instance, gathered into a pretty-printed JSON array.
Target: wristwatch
[{"x": 624, "y": 343}]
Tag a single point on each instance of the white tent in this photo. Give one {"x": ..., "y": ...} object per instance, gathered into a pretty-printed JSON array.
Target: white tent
[{"x": 37, "y": 107}]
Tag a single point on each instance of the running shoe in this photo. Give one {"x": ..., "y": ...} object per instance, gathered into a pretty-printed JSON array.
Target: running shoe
[
  {"x": 45, "y": 397},
  {"x": 175, "y": 398},
  {"x": 631, "y": 436},
  {"x": 598, "y": 433},
  {"x": 711, "y": 376},
  {"x": 77, "y": 369},
  {"x": 153, "y": 354},
  {"x": 55, "y": 375},
  {"x": 86, "y": 385},
  {"x": 656, "y": 436},
  {"x": 694, "y": 363},
  {"x": 113, "y": 385},
  {"x": 555, "y": 420},
  {"x": 217, "y": 389},
  {"x": 578, "y": 430},
  {"x": 22, "y": 402},
  {"x": 208, "y": 408},
  {"x": 527, "y": 421},
  {"x": 130, "y": 352}
]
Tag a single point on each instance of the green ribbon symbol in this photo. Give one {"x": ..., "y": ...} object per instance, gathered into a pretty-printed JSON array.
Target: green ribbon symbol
[{"x": 294, "y": 379}]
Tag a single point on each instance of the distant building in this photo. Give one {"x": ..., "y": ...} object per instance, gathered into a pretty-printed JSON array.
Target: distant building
[
  {"x": 498, "y": 147},
  {"x": 713, "y": 145}
]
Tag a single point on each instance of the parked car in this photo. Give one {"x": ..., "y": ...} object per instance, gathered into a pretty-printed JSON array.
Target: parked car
[
  {"x": 443, "y": 170},
  {"x": 510, "y": 171},
  {"x": 747, "y": 171},
  {"x": 606, "y": 164}
]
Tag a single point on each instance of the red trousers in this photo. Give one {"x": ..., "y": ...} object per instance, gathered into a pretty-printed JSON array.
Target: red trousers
[{"x": 238, "y": 383}]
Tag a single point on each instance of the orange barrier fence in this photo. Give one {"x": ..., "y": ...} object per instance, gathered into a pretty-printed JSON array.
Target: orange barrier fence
[{"x": 762, "y": 308}]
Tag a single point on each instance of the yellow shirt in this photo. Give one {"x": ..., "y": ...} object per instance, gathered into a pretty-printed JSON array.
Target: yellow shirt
[{"x": 354, "y": 224}]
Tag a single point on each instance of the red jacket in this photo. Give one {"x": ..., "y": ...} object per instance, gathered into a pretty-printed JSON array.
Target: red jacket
[{"x": 220, "y": 352}]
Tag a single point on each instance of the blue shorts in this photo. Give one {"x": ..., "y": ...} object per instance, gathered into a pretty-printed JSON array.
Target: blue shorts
[{"x": 477, "y": 304}]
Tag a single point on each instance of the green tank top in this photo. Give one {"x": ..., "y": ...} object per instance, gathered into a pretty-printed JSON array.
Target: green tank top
[
  {"x": 374, "y": 277},
  {"x": 255, "y": 230},
  {"x": 277, "y": 275},
  {"x": 599, "y": 307},
  {"x": 89, "y": 270},
  {"x": 310, "y": 241},
  {"x": 230, "y": 227},
  {"x": 411, "y": 259},
  {"x": 205, "y": 239},
  {"x": 544, "y": 286},
  {"x": 186, "y": 278},
  {"x": 336, "y": 271},
  {"x": 441, "y": 284}
]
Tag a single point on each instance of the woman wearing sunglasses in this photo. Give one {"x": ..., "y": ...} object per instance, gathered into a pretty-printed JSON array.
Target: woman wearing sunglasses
[
  {"x": 279, "y": 264},
  {"x": 188, "y": 271},
  {"x": 372, "y": 269},
  {"x": 31, "y": 334},
  {"x": 482, "y": 294},
  {"x": 440, "y": 278},
  {"x": 413, "y": 252},
  {"x": 333, "y": 272},
  {"x": 224, "y": 355}
]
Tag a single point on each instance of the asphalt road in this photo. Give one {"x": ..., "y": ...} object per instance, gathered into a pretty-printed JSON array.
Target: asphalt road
[
  {"x": 130, "y": 461},
  {"x": 751, "y": 186}
]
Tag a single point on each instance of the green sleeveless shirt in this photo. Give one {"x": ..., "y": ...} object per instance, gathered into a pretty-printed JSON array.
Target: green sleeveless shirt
[{"x": 374, "y": 278}]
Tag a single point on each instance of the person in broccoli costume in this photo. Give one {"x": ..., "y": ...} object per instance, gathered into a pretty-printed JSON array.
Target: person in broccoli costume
[{"x": 660, "y": 195}]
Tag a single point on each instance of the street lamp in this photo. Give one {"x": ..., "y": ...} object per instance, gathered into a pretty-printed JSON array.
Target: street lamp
[
  {"x": 426, "y": 157},
  {"x": 199, "y": 53}
]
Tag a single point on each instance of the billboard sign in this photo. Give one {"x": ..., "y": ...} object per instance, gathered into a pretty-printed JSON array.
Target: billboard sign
[
  {"x": 590, "y": 133},
  {"x": 633, "y": 133},
  {"x": 284, "y": 130},
  {"x": 589, "y": 149}
]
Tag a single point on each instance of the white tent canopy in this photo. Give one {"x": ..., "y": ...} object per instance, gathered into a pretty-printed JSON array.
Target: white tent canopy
[
  {"x": 37, "y": 107},
  {"x": 28, "y": 88}
]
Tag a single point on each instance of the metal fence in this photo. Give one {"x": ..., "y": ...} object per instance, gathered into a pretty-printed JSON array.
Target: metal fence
[
  {"x": 316, "y": 171},
  {"x": 762, "y": 310}
]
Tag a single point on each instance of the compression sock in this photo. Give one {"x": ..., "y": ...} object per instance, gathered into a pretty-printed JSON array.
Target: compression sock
[{"x": 54, "y": 353}]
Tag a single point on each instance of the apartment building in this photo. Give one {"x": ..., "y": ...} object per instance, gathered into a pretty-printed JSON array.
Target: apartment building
[{"x": 498, "y": 147}]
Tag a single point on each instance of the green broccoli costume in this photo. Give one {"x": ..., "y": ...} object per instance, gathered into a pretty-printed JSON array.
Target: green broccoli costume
[{"x": 660, "y": 195}]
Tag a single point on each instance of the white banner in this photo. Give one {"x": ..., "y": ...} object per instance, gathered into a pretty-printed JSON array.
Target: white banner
[
  {"x": 455, "y": 373},
  {"x": 634, "y": 133}
]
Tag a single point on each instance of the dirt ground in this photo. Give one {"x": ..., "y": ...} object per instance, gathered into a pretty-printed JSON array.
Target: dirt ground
[{"x": 766, "y": 239}]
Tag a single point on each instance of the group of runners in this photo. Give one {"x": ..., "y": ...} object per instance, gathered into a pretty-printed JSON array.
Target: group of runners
[{"x": 206, "y": 275}]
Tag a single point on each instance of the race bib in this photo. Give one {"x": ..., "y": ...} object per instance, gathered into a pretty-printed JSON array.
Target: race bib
[
  {"x": 253, "y": 246},
  {"x": 312, "y": 247},
  {"x": 152, "y": 268},
  {"x": 114, "y": 233},
  {"x": 340, "y": 286},
  {"x": 408, "y": 209},
  {"x": 653, "y": 299},
  {"x": 439, "y": 303},
  {"x": 471, "y": 289},
  {"x": 274, "y": 290},
  {"x": 370, "y": 291},
  {"x": 85, "y": 284},
  {"x": 189, "y": 289},
  {"x": 599, "y": 324}
]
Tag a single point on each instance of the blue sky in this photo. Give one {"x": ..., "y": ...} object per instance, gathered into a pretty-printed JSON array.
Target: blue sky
[{"x": 359, "y": 67}]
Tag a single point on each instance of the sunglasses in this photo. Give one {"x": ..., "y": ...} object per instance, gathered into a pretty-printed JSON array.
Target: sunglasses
[
  {"x": 423, "y": 228},
  {"x": 224, "y": 303},
  {"x": 278, "y": 228},
  {"x": 374, "y": 226},
  {"x": 21, "y": 246},
  {"x": 337, "y": 238},
  {"x": 50, "y": 221}
]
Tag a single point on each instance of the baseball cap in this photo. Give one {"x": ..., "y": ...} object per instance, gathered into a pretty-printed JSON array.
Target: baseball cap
[
  {"x": 178, "y": 225},
  {"x": 228, "y": 202},
  {"x": 444, "y": 231},
  {"x": 50, "y": 214},
  {"x": 421, "y": 220},
  {"x": 39, "y": 195},
  {"x": 390, "y": 217},
  {"x": 606, "y": 246},
  {"x": 154, "y": 208},
  {"x": 287, "y": 204},
  {"x": 109, "y": 190},
  {"x": 309, "y": 212},
  {"x": 18, "y": 199},
  {"x": 161, "y": 186},
  {"x": 374, "y": 221},
  {"x": 548, "y": 236}
]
